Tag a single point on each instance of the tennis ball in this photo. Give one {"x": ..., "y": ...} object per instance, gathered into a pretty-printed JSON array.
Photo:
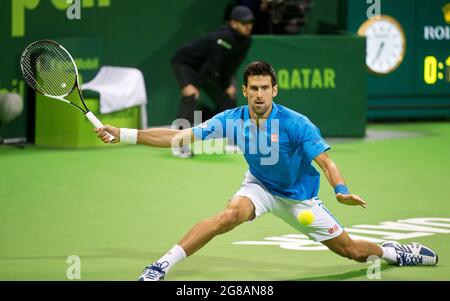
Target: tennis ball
[{"x": 306, "y": 217}]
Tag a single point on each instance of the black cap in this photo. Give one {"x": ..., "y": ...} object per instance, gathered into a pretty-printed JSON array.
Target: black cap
[{"x": 242, "y": 14}]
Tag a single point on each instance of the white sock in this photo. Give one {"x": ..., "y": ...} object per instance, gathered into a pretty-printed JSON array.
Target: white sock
[
  {"x": 172, "y": 257},
  {"x": 389, "y": 255}
]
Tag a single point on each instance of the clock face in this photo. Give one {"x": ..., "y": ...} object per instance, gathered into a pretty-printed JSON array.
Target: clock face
[{"x": 385, "y": 48}]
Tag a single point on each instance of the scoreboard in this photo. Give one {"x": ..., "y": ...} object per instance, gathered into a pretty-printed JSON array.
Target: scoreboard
[
  {"x": 433, "y": 47},
  {"x": 407, "y": 56}
]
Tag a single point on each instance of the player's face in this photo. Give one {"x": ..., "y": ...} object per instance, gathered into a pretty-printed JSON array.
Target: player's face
[
  {"x": 244, "y": 29},
  {"x": 259, "y": 93}
]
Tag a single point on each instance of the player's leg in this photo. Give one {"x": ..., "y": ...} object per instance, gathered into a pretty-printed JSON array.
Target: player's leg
[
  {"x": 327, "y": 230},
  {"x": 250, "y": 201},
  {"x": 238, "y": 210},
  {"x": 392, "y": 252},
  {"x": 358, "y": 250}
]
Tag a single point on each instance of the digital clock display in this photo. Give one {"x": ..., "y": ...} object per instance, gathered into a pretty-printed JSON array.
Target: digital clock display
[{"x": 433, "y": 70}]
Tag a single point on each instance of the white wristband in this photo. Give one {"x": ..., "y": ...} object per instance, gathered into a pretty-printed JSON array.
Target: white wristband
[{"x": 128, "y": 135}]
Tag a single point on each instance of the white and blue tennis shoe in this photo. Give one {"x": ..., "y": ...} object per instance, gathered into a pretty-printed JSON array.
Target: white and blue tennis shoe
[
  {"x": 412, "y": 254},
  {"x": 154, "y": 272}
]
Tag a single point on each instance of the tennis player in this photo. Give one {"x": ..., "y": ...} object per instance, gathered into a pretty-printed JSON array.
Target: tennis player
[{"x": 281, "y": 178}]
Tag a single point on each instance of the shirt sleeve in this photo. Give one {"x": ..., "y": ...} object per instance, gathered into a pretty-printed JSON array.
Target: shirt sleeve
[
  {"x": 312, "y": 142},
  {"x": 212, "y": 128}
]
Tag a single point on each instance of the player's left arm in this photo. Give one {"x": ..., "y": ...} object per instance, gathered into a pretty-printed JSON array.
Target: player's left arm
[{"x": 336, "y": 181}]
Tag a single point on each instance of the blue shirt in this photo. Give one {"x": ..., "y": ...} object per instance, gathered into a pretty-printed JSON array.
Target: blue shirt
[{"x": 279, "y": 153}]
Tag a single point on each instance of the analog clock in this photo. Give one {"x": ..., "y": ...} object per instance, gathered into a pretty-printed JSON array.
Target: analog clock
[{"x": 386, "y": 46}]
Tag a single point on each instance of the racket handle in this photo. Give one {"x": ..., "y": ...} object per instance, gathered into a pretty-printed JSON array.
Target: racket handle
[{"x": 98, "y": 124}]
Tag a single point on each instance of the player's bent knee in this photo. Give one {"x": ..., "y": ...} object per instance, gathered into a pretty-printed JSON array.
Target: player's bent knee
[
  {"x": 227, "y": 220},
  {"x": 244, "y": 206}
]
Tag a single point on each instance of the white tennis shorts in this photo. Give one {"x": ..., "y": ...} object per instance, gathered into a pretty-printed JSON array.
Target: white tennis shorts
[{"x": 324, "y": 226}]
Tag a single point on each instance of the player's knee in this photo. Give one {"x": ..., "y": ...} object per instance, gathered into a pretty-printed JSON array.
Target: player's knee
[{"x": 227, "y": 220}]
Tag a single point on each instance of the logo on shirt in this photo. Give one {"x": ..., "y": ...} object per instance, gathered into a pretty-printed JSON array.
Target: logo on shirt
[
  {"x": 334, "y": 229},
  {"x": 274, "y": 138}
]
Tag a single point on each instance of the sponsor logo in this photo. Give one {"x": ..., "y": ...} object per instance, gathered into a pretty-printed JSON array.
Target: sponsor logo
[
  {"x": 438, "y": 33},
  {"x": 441, "y": 32},
  {"x": 307, "y": 78},
  {"x": 446, "y": 13},
  {"x": 334, "y": 229},
  {"x": 22, "y": 9}
]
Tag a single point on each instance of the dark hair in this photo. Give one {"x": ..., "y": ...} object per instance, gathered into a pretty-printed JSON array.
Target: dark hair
[{"x": 259, "y": 68}]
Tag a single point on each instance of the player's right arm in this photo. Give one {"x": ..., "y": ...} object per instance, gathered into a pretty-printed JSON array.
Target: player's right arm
[{"x": 156, "y": 137}]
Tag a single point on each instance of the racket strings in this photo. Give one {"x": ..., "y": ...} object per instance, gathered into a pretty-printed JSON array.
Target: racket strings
[{"x": 48, "y": 68}]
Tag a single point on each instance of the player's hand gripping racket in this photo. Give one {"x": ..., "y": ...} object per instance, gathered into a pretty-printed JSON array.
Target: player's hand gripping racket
[{"x": 50, "y": 70}]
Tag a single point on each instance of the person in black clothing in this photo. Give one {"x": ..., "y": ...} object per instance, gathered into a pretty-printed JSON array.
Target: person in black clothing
[{"x": 210, "y": 63}]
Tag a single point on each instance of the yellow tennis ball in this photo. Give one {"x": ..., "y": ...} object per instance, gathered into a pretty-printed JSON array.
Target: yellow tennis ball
[{"x": 306, "y": 217}]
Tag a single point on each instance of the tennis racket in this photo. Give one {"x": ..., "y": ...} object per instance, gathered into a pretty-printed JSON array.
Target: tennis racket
[{"x": 50, "y": 70}]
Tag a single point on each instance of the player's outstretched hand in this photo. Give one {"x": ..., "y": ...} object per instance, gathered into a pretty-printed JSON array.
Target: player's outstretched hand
[
  {"x": 102, "y": 133},
  {"x": 351, "y": 200}
]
